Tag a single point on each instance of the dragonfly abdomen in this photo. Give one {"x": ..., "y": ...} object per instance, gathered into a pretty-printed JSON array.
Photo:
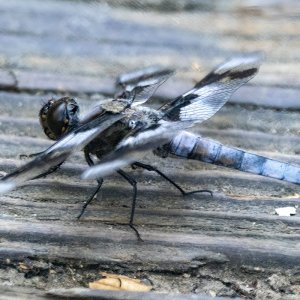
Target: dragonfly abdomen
[{"x": 191, "y": 146}]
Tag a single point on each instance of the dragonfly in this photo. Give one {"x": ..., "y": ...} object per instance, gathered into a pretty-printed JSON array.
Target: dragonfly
[{"x": 118, "y": 131}]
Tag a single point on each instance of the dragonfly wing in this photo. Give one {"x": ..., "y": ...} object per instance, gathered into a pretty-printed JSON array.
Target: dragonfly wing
[
  {"x": 132, "y": 147},
  {"x": 138, "y": 86},
  {"x": 197, "y": 105},
  {"x": 214, "y": 90},
  {"x": 58, "y": 152}
]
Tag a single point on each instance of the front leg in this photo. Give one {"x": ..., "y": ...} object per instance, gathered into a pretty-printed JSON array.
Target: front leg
[
  {"x": 99, "y": 181},
  {"x": 50, "y": 171}
]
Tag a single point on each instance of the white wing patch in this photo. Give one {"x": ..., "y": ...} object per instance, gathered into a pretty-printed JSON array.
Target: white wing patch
[
  {"x": 217, "y": 87},
  {"x": 210, "y": 99}
]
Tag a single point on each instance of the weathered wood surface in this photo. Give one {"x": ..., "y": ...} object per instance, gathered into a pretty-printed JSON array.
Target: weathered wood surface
[
  {"x": 84, "y": 293},
  {"x": 230, "y": 245}
]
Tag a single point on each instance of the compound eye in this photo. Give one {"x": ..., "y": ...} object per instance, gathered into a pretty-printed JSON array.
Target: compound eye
[{"x": 131, "y": 124}]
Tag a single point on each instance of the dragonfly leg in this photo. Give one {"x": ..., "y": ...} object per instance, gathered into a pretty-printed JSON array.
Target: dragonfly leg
[
  {"x": 50, "y": 171},
  {"x": 24, "y": 156},
  {"x": 133, "y": 183},
  {"x": 99, "y": 181},
  {"x": 184, "y": 193},
  {"x": 87, "y": 202}
]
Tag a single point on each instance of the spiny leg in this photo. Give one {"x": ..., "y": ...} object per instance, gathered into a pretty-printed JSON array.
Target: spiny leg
[
  {"x": 99, "y": 181},
  {"x": 150, "y": 168},
  {"x": 133, "y": 183}
]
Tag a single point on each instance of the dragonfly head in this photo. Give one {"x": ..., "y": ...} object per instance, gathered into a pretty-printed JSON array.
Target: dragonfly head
[{"x": 58, "y": 117}]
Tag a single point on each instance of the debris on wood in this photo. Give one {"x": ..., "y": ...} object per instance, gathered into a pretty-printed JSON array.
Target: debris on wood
[
  {"x": 286, "y": 211},
  {"x": 119, "y": 283}
]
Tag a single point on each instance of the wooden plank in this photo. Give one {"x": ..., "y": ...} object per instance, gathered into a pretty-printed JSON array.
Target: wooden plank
[
  {"x": 49, "y": 241},
  {"x": 231, "y": 244},
  {"x": 276, "y": 97},
  {"x": 262, "y": 96},
  {"x": 112, "y": 295},
  {"x": 101, "y": 40},
  {"x": 41, "y": 81},
  {"x": 84, "y": 293},
  {"x": 7, "y": 80},
  {"x": 10, "y": 293}
]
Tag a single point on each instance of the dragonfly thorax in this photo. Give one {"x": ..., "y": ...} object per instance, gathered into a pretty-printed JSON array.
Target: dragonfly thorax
[
  {"x": 148, "y": 115},
  {"x": 115, "y": 106}
]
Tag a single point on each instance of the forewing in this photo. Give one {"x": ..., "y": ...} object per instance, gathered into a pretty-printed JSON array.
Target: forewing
[
  {"x": 214, "y": 90},
  {"x": 57, "y": 153},
  {"x": 138, "y": 86},
  {"x": 131, "y": 148}
]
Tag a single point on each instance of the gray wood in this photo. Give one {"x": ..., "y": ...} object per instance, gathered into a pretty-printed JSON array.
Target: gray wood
[
  {"x": 112, "y": 295},
  {"x": 230, "y": 245},
  {"x": 84, "y": 293},
  {"x": 29, "y": 81}
]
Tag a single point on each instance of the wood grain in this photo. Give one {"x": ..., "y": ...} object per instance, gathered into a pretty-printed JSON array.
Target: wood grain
[{"x": 231, "y": 244}]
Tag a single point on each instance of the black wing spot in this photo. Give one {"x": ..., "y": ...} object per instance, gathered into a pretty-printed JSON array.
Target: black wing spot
[
  {"x": 230, "y": 74},
  {"x": 173, "y": 113},
  {"x": 242, "y": 74}
]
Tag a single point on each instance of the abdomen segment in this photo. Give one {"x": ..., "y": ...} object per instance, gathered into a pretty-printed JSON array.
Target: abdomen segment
[{"x": 191, "y": 146}]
